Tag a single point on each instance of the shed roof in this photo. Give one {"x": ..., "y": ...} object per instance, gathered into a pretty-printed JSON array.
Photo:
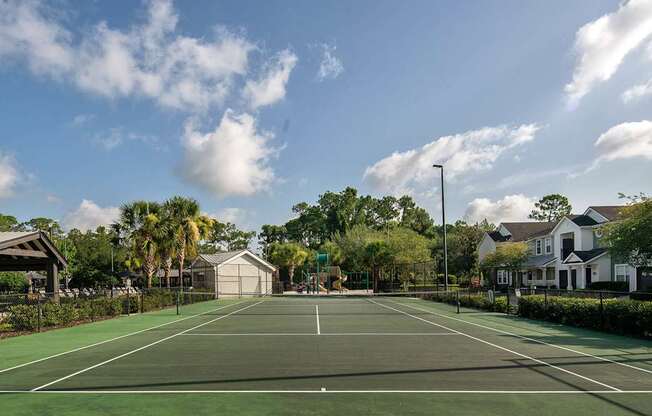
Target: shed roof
[
  {"x": 28, "y": 250},
  {"x": 218, "y": 259}
]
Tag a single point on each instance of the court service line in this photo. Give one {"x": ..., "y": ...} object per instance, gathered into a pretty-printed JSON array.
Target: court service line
[
  {"x": 500, "y": 347},
  {"x": 141, "y": 348},
  {"x": 114, "y": 339},
  {"x": 137, "y": 392},
  {"x": 561, "y": 347},
  {"x": 305, "y": 334},
  {"x": 317, "y": 313}
]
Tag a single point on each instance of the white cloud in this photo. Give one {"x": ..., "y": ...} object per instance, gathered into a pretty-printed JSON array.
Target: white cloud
[
  {"x": 510, "y": 208},
  {"x": 603, "y": 44},
  {"x": 147, "y": 60},
  {"x": 114, "y": 137},
  {"x": 624, "y": 141},
  {"x": 271, "y": 87},
  {"x": 9, "y": 175},
  {"x": 53, "y": 199},
  {"x": 637, "y": 91},
  {"x": 475, "y": 150},
  {"x": 330, "y": 66},
  {"x": 82, "y": 119},
  {"x": 89, "y": 216},
  {"x": 232, "y": 160}
]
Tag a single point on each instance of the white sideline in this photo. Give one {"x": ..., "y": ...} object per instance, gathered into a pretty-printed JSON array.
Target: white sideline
[
  {"x": 306, "y": 334},
  {"x": 141, "y": 348},
  {"x": 113, "y": 339},
  {"x": 591, "y": 392},
  {"x": 586, "y": 354},
  {"x": 499, "y": 347},
  {"x": 317, "y": 314}
]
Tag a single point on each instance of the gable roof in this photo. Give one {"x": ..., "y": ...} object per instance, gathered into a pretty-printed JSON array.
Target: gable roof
[
  {"x": 610, "y": 212},
  {"x": 522, "y": 231},
  {"x": 497, "y": 237},
  {"x": 28, "y": 250},
  {"x": 218, "y": 259},
  {"x": 582, "y": 220},
  {"x": 584, "y": 256}
]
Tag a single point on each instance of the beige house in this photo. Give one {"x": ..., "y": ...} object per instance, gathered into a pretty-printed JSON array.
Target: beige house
[{"x": 234, "y": 273}]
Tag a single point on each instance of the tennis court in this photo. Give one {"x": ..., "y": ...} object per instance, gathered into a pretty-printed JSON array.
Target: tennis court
[{"x": 332, "y": 344}]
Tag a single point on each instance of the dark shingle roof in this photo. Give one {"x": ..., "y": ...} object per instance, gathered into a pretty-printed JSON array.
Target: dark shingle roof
[
  {"x": 588, "y": 255},
  {"x": 583, "y": 220},
  {"x": 522, "y": 231},
  {"x": 539, "y": 261},
  {"x": 498, "y": 237},
  {"x": 610, "y": 212}
]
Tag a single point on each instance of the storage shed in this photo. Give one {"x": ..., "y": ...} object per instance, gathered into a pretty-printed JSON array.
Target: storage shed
[{"x": 234, "y": 273}]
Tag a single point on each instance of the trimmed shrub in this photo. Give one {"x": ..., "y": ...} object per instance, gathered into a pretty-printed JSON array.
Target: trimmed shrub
[
  {"x": 612, "y": 286},
  {"x": 622, "y": 316},
  {"x": 473, "y": 301},
  {"x": 22, "y": 317}
]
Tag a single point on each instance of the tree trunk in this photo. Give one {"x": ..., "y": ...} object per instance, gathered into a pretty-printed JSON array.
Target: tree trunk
[
  {"x": 181, "y": 257},
  {"x": 167, "y": 266},
  {"x": 291, "y": 273}
]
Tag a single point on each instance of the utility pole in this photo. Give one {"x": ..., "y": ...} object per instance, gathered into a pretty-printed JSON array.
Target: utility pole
[{"x": 443, "y": 220}]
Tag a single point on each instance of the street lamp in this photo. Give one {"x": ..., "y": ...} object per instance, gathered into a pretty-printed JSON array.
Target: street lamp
[{"x": 443, "y": 220}]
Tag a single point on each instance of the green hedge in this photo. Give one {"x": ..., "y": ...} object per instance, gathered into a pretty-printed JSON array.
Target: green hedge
[
  {"x": 473, "y": 301},
  {"x": 629, "y": 317},
  {"x": 613, "y": 286},
  {"x": 25, "y": 317}
]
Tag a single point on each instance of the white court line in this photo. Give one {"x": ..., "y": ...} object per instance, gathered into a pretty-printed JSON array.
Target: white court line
[
  {"x": 141, "y": 348},
  {"x": 591, "y": 392},
  {"x": 306, "y": 334},
  {"x": 317, "y": 313},
  {"x": 586, "y": 354},
  {"x": 499, "y": 347},
  {"x": 113, "y": 339}
]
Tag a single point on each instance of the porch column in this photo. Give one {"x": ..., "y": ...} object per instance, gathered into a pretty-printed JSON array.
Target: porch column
[
  {"x": 52, "y": 281},
  {"x": 581, "y": 278},
  {"x": 569, "y": 284}
]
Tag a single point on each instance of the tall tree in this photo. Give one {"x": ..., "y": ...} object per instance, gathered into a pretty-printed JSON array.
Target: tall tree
[
  {"x": 139, "y": 224},
  {"x": 189, "y": 227},
  {"x": 630, "y": 237},
  {"x": 8, "y": 222},
  {"x": 551, "y": 208},
  {"x": 227, "y": 236},
  {"x": 47, "y": 225}
]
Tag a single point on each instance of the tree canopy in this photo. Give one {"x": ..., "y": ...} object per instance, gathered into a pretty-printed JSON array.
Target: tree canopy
[
  {"x": 630, "y": 237},
  {"x": 551, "y": 208}
]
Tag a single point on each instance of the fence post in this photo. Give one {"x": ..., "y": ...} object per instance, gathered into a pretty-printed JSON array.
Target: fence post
[
  {"x": 38, "y": 311},
  {"x": 128, "y": 301},
  {"x": 457, "y": 296},
  {"x": 142, "y": 302},
  {"x": 177, "y": 301},
  {"x": 601, "y": 311}
]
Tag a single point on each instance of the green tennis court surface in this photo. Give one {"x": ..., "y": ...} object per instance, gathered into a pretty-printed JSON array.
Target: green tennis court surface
[{"x": 323, "y": 354}]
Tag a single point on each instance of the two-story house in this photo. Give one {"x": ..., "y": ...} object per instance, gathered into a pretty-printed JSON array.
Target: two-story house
[{"x": 568, "y": 254}]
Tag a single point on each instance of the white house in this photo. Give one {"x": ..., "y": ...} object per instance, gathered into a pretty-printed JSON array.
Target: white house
[
  {"x": 567, "y": 254},
  {"x": 234, "y": 273}
]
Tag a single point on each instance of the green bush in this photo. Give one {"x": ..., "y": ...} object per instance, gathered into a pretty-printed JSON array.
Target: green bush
[
  {"x": 612, "y": 286},
  {"x": 622, "y": 316},
  {"x": 473, "y": 301},
  {"x": 22, "y": 317}
]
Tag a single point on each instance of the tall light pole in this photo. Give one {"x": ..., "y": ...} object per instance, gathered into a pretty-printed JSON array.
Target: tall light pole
[{"x": 443, "y": 220}]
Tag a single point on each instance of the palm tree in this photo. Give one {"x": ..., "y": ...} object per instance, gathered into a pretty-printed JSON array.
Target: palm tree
[
  {"x": 139, "y": 227},
  {"x": 188, "y": 227},
  {"x": 288, "y": 255}
]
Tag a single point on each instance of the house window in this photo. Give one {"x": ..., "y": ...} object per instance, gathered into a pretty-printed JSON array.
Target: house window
[
  {"x": 548, "y": 245},
  {"x": 538, "y": 245},
  {"x": 503, "y": 277},
  {"x": 622, "y": 273}
]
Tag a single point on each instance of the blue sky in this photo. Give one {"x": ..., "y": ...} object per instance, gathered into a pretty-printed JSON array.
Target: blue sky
[{"x": 253, "y": 106}]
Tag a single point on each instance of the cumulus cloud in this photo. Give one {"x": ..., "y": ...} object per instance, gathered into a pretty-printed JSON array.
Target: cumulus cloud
[
  {"x": 145, "y": 60},
  {"x": 637, "y": 91},
  {"x": 475, "y": 150},
  {"x": 603, "y": 44},
  {"x": 9, "y": 175},
  {"x": 330, "y": 66},
  {"x": 271, "y": 87},
  {"x": 624, "y": 141},
  {"x": 510, "y": 208},
  {"x": 232, "y": 160},
  {"x": 89, "y": 216}
]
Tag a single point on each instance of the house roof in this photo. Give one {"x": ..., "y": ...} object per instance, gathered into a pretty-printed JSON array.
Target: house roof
[
  {"x": 28, "y": 250},
  {"x": 522, "y": 231},
  {"x": 539, "y": 261},
  {"x": 218, "y": 259},
  {"x": 498, "y": 237},
  {"x": 585, "y": 255},
  {"x": 582, "y": 220},
  {"x": 610, "y": 212}
]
